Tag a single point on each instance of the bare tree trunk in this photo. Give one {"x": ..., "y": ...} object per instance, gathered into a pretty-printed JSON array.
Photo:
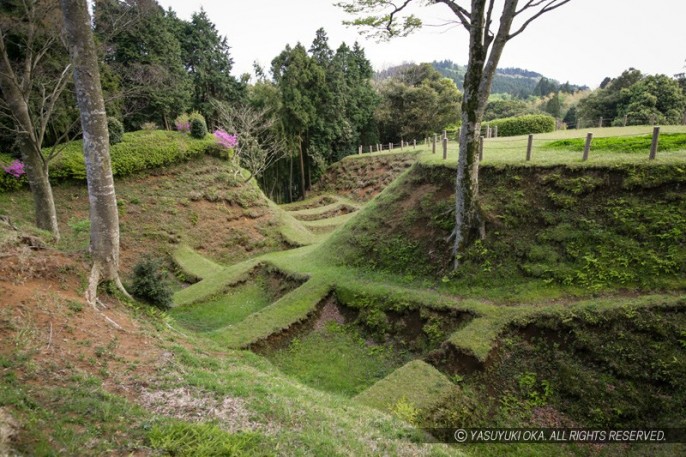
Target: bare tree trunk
[
  {"x": 35, "y": 165},
  {"x": 290, "y": 180},
  {"x": 104, "y": 232},
  {"x": 302, "y": 169}
]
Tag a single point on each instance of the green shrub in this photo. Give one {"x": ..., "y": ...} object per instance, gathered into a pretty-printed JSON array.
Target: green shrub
[
  {"x": 115, "y": 129},
  {"x": 138, "y": 151},
  {"x": 523, "y": 125},
  {"x": 198, "y": 126},
  {"x": 150, "y": 283}
]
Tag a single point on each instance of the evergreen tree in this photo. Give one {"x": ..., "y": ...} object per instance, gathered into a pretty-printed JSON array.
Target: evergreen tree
[
  {"x": 208, "y": 62},
  {"x": 297, "y": 76},
  {"x": 146, "y": 56}
]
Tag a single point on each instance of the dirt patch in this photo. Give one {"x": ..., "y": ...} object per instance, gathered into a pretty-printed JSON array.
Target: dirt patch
[
  {"x": 194, "y": 203},
  {"x": 362, "y": 179},
  {"x": 185, "y": 404},
  {"x": 451, "y": 360},
  {"x": 44, "y": 315},
  {"x": 317, "y": 202},
  {"x": 8, "y": 429},
  {"x": 340, "y": 211},
  {"x": 328, "y": 310}
]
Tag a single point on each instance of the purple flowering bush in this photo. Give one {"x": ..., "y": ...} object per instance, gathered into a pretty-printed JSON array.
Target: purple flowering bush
[
  {"x": 16, "y": 169},
  {"x": 14, "y": 176},
  {"x": 226, "y": 140},
  {"x": 183, "y": 123}
]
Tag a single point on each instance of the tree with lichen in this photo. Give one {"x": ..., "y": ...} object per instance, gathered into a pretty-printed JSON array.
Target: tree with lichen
[
  {"x": 104, "y": 217},
  {"x": 34, "y": 78},
  {"x": 488, "y": 36}
]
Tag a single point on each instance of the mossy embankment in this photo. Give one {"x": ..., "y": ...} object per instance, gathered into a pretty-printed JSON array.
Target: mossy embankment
[{"x": 549, "y": 230}]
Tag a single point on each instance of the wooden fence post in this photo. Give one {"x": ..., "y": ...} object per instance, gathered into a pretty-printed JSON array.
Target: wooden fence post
[
  {"x": 414, "y": 144},
  {"x": 600, "y": 124},
  {"x": 481, "y": 148},
  {"x": 626, "y": 119},
  {"x": 402, "y": 144},
  {"x": 495, "y": 131},
  {"x": 359, "y": 150},
  {"x": 578, "y": 124},
  {"x": 445, "y": 145},
  {"x": 653, "y": 146},
  {"x": 587, "y": 147},
  {"x": 529, "y": 146},
  {"x": 433, "y": 145}
]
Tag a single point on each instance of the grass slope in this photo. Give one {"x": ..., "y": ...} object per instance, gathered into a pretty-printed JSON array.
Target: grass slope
[{"x": 401, "y": 386}]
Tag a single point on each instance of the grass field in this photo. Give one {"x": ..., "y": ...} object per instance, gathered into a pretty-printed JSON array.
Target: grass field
[{"x": 512, "y": 150}]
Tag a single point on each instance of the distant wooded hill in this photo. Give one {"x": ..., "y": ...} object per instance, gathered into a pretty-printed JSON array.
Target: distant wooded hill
[{"x": 513, "y": 81}]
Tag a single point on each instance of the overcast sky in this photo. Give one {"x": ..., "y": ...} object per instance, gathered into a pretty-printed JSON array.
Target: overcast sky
[{"x": 582, "y": 42}]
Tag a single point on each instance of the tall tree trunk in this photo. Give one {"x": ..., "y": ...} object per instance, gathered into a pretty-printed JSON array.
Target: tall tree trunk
[
  {"x": 467, "y": 182},
  {"x": 290, "y": 179},
  {"x": 302, "y": 169},
  {"x": 35, "y": 165},
  {"x": 104, "y": 232}
]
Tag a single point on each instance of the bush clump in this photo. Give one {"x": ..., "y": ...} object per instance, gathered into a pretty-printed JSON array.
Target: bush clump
[
  {"x": 198, "y": 126},
  {"x": 523, "y": 125},
  {"x": 12, "y": 175},
  {"x": 150, "y": 283},
  {"x": 115, "y": 129}
]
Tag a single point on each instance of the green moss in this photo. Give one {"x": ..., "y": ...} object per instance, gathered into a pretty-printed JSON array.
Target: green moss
[
  {"x": 347, "y": 366},
  {"x": 402, "y": 386}
]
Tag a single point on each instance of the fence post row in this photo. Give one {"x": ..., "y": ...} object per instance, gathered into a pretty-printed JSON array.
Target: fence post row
[{"x": 587, "y": 147}]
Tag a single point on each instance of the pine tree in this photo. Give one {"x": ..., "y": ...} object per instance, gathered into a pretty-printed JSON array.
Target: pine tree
[{"x": 208, "y": 61}]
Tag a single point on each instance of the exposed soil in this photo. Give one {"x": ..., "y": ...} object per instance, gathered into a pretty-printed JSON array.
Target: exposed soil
[
  {"x": 310, "y": 204},
  {"x": 343, "y": 209},
  {"x": 42, "y": 313},
  {"x": 328, "y": 310},
  {"x": 194, "y": 203},
  {"x": 362, "y": 179}
]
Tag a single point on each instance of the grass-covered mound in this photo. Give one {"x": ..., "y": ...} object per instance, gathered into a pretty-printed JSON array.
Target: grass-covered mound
[
  {"x": 336, "y": 358},
  {"x": 415, "y": 386},
  {"x": 576, "y": 228},
  {"x": 630, "y": 144},
  {"x": 138, "y": 151}
]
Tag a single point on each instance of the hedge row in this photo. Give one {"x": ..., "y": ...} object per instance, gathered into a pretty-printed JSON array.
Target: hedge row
[
  {"x": 138, "y": 151},
  {"x": 523, "y": 125}
]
